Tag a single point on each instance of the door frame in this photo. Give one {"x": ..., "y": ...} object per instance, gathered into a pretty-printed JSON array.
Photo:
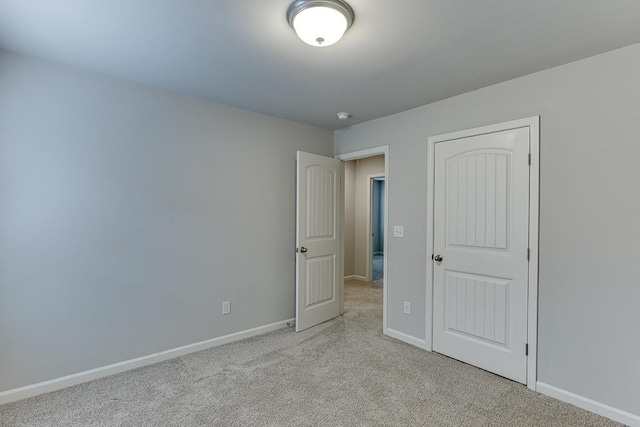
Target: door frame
[
  {"x": 369, "y": 243},
  {"x": 533, "y": 123},
  {"x": 362, "y": 154}
]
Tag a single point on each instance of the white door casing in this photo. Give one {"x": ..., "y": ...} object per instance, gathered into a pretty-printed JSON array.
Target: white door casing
[
  {"x": 481, "y": 231},
  {"x": 318, "y": 244}
]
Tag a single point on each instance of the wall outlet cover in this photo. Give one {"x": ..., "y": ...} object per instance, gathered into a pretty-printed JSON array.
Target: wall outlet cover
[
  {"x": 398, "y": 231},
  {"x": 407, "y": 307}
]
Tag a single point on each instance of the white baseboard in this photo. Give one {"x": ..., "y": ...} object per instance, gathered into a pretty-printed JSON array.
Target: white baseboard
[
  {"x": 356, "y": 277},
  {"x": 407, "y": 338},
  {"x": 104, "y": 371},
  {"x": 589, "y": 404}
]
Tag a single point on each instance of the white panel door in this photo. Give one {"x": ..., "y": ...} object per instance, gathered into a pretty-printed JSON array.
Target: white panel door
[
  {"x": 481, "y": 217},
  {"x": 318, "y": 256}
]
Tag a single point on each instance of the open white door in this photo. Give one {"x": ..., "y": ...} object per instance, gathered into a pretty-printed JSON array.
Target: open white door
[
  {"x": 481, "y": 220},
  {"x": 318, "y": 228}
]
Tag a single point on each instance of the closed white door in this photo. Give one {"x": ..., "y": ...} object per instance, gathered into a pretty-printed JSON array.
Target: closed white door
[
  {"x": 481, "y": 208},
  {"x": 318, "y": 256}
]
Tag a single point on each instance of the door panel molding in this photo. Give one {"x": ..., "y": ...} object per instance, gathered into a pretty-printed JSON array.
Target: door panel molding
[{"x": 533, "y": 125}]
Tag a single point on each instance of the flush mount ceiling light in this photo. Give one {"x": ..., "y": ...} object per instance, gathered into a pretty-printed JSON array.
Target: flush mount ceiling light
[{"x": 320, "y": 23}]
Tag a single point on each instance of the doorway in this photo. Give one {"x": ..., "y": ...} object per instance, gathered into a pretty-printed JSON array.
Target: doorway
[
  {"x": 361, "y": 168},
  {"x": 376, "y": 232}
]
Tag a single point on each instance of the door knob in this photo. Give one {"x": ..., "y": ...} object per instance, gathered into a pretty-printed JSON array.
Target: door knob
[
  {"x": 438, "y": 258},
  {"x": 303, "y": 250}
]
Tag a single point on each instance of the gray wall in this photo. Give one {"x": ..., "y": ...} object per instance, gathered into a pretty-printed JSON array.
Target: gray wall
[
  {"x": 349, "y": 217},
  {"x": 589, "y": 212},
  {"x": 366, "y": 166},
  {"x": 128, "y": 214}
]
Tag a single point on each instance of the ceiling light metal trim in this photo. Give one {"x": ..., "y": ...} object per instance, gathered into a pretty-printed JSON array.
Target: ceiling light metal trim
[{"x": 299, "y": 5}]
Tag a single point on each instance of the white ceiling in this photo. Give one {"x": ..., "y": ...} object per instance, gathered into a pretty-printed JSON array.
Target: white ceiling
[{"x": 399, "y": 54}]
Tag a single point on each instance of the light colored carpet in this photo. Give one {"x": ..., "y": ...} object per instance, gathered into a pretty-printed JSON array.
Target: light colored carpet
[
  {"x": 341, "y": 373},
  {"x": 378, "y": 269}
]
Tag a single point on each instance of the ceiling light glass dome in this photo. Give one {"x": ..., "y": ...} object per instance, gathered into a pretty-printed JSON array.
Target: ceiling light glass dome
[{"x": 320, "y": 23}]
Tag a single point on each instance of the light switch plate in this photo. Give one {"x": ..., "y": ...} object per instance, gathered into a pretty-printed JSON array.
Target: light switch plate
[
  {"x": 398, "y": 231},
  {"x": 226, "y": 307}
]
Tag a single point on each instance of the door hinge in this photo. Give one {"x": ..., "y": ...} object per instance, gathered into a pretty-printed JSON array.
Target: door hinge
[
  {"x": 528, "y": 254},
  {"x": 526, "y": 349},
  {"x": 529, "y": 159}
]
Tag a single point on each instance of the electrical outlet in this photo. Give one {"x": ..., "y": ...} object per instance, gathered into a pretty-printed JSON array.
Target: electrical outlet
[
  {"x": 398, "y": 231},
  {"x": 226, "y": 307},
  {"x": 407, "y": 307}
]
